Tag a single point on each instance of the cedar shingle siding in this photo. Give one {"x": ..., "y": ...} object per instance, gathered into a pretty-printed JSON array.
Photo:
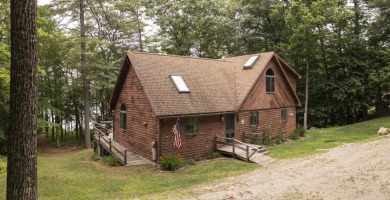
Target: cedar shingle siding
[{"x": 217, "y": 87}]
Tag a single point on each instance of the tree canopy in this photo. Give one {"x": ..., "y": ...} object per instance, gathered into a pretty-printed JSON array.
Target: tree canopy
[{"x": 340, "y": 47}]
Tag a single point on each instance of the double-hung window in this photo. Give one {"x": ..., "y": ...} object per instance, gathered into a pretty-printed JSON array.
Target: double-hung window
[
  {"x": 253, "y": 118},
  {"x": 283, "y": 114},
  {"x": 123, "y": 117},
  {"x": 192, "y": 126},
  {"x": 270, "y": 81}
]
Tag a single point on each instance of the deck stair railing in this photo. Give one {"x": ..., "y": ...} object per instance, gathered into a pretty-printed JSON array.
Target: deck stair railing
[
  {"x": 115, "y": 150},
  {"x": 236, "y": 146}
]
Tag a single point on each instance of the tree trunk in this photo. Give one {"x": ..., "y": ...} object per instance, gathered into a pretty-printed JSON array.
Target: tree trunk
[
  {"x": 306, "y": 95},
  {"x": 22, "y": 135},
  {"x": 47, "y": 120},
  {"x": 87, "y": 139},
  {"x": 52, "y": 127}
]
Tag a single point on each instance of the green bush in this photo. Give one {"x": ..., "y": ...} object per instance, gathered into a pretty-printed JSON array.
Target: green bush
[
  {"x": 3, "y": 167},
  {"x": 278, "y": 139},
  {"x": 110, "y": 160},
  {"x": 301, "y": 131},
  {"x": 170, "y": 162},
  {"x": 213, "y": 155},
  {"x": 188, "y": 161},
  {"x": 295, "y": 135}
]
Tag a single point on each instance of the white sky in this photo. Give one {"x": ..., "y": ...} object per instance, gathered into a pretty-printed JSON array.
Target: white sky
[{"x": 43, "y": 2}]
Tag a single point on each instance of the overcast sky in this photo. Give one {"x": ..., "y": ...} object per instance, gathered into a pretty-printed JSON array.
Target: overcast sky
[{"x": 43, "y": 2}]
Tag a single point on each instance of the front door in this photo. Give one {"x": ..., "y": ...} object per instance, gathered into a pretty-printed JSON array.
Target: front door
[{"x": 229, "y": 131}]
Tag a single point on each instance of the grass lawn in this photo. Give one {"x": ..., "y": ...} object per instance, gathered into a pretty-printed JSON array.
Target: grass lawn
[
  {"x": 330, "y": 137},
  {"x": 70, "y": 176}
]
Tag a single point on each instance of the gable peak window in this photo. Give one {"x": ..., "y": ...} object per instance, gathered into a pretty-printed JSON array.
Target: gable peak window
[
  {"x": 123, "y": 117},
  {"x": 270, "y": 81}
]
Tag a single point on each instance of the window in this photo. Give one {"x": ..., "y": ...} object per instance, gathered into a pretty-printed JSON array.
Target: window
[
  {"x": 283, "y": 114},
  {"x": 192, "y": 126},
  {"x": 252, "y": 60},
  {"x": 123, "y": 116},
  {"x": 180, "y": 84},
  {"x": 270, "y": 81},
  {"x": 253, "y": 118}
]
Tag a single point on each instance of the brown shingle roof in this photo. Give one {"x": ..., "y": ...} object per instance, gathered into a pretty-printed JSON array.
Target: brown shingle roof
[{"x": 216, "y": 85}]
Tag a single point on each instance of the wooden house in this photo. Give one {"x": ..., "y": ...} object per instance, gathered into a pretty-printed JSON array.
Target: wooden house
[{"x": 228, "y": 97}]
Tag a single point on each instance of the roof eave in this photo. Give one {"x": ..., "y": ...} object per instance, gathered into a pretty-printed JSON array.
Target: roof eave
[{"x": 119, "y": 82}]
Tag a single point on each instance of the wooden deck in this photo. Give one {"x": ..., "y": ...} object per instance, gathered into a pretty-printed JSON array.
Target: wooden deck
[
  {"x": 247, "y": 152},
  {"x": 127, "y": 158}
]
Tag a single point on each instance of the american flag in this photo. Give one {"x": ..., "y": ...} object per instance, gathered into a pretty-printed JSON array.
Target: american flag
[{"x": 176, "y": 131}]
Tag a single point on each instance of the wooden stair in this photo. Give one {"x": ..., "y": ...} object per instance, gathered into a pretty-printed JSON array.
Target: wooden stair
[
  {"x": 127, "y": 158},
  {"x": 243, "y": 151}
]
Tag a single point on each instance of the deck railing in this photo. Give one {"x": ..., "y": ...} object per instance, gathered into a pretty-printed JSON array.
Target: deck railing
[
  {"x": 236, "y": 144},
  {"x": 112, "y": 147}
]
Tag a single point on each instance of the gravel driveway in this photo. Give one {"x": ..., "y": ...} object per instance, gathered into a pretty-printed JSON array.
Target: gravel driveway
[{"x": 351, "y": 171}]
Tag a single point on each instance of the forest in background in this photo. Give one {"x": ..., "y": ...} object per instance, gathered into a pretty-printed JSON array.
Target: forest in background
[{"x": 340, "y": 47}]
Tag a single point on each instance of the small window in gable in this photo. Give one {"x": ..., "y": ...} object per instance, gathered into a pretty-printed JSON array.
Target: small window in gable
[
  {"x": 123, "y": 117},
  {"x": 180, "y": 84},
  {"x": 253, "y": 118},
  {"x": 251, "y": 61},
  {"x": 270, "y": 81},
  {"x": 192, "y": 126}
]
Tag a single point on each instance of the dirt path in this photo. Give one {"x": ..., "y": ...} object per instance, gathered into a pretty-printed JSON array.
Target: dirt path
[
  {"x": 352, "y": 171},
  {"x": 48, "y": 150}
]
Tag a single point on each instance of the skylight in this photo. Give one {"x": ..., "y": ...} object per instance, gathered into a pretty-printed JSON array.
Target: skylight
[
  {"x": 180, "y": 84},
  {"x": 252, "y": 60}
]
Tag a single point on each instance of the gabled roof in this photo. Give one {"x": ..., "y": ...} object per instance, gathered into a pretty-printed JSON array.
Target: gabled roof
[{"x": 216, "y": 85}]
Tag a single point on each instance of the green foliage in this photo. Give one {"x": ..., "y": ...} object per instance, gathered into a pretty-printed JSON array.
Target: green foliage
[
  {"x": 3, "y": 167},
  {"x": 279, "y": 139},
  {"x": 320, "y": 139},
  {"x": 301, "y": 131},
  {"x": 110, "y": 160},
  {"x": 213, "y": 155},
  {"x": 294, "y": 135},
  {"x": 4, "y": 105},
  {"x": 170, "y": 162},
  {"x": 297, "y": 133},
  {"x": 187, "y": 161}
]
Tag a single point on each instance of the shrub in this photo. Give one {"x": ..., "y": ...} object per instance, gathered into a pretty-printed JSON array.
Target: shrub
[
  {"x": 188, "y": 161},
  {"x": 278, "y": 139},
  {"x": 213, "y": 155},
  {"x": 295, "y": 135},
  {"x": 170, "y": 162},
  {"x": 3, "y": 167},
  {"x": 110, "y": 160},
  {"x": 265, "y": 130},
  {"x": 301, "y": 131}
]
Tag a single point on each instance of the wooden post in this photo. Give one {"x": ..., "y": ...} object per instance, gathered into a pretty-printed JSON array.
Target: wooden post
[
  {"x": 125, "y": 158},
  {"x": 95, "y": 148},
  {"x": 234, "y": 148},
  {"x": 247, "y": 153},
  {"x": 110, "y": 144}
]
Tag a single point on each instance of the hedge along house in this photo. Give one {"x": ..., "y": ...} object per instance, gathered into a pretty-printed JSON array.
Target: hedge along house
[{"x": 226, "y": 97}]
